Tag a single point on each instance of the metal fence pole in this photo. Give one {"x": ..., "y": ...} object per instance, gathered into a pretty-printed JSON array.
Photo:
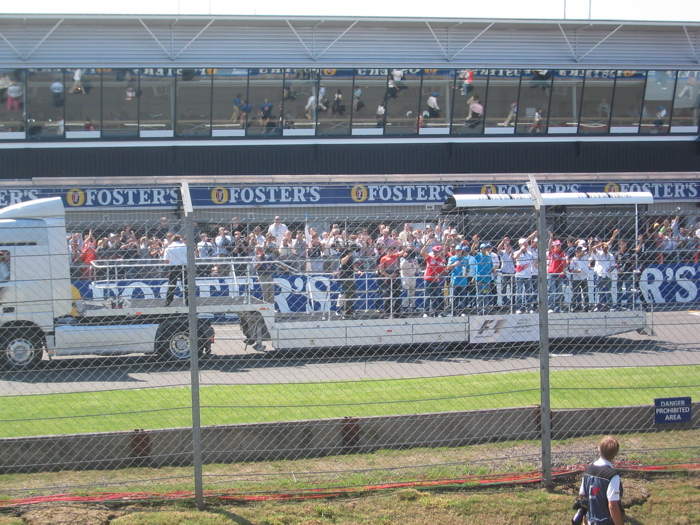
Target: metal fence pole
[
  {"x": 545, "y": 410},
  {"x": 191, "y": 293}
]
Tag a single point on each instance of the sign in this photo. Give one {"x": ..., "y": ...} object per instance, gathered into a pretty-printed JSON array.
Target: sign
[
  {"x": 359, "y": 194},
  {"x": 671, "y": 283},
  {"x": 672, "y": 410}
]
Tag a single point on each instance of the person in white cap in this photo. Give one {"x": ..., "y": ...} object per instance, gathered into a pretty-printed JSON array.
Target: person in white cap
[{"x": 525, "y": 275}]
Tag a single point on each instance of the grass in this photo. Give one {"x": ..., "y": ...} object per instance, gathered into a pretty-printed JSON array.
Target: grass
[
  {"x": 53, "y": 414},
  {"x": 669, "y": 498}
]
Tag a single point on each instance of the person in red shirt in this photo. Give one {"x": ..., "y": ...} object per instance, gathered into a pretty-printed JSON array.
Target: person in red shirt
[
  {"x": 435, "y": 266},
  {"x": 557, "y": 263},
  {"x": 87, "y": 255}
]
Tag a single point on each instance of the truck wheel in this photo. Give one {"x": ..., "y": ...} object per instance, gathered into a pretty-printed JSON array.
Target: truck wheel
[
  {"x": 21, "y": 349},
  {"x": 174, "y": 342}
]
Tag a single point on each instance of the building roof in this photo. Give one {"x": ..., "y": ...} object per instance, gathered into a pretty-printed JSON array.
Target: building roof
[{"x": 54, "y": 41}]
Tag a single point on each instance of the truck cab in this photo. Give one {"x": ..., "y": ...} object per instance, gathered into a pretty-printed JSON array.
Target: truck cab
[{"x": 38, "y": 309}]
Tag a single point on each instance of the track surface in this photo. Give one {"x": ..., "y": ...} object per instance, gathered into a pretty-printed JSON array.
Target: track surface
[{"x": 676, "y": 341}]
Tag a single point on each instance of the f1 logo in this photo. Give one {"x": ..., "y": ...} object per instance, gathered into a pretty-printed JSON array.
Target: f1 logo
[{"x": 490, "y": 325}]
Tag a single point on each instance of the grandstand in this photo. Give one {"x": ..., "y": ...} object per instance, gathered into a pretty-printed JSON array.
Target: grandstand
[{"x": 138, "y": 96}]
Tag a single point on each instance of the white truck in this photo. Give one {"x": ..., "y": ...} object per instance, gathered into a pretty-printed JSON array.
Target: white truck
[{"x": 38, "y": 303}]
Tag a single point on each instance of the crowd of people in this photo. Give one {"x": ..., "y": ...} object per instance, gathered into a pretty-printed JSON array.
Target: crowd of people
[{"x": 429, "y": 270}]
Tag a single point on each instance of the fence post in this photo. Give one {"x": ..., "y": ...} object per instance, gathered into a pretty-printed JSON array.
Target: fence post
[
  {"x": 191, "y": 293},
  {"x": 545, "y": 412}
]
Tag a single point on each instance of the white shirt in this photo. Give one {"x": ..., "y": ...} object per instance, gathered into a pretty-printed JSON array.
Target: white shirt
[
  {"x": 508, "y": 263},
  {"x": 525, "y": 264},
  {"x": 205, "y": 248},
  {"x": 604, "y": 263},
  {"x": 578, "y": 269},
  {"x": 433, "y": 103},
  {"x": 176, "y": 254},
  {"x": 278, "y": 230},
  {"x": 409, "y": 267}
]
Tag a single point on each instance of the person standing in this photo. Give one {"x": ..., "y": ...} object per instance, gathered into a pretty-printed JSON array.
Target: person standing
[
  {"x": 602, "y": 486},
  {"x": 483, "y": 277},
  {"x": 433, "y": 107},
  {"x": 237, "y": 103},
  {"x": 346, "y": 276},
  {"x": 278, "y": 229},
  {"x": 604, "y": 266},
  {"x": 175, "y": 256},
  {"x": 435, "y": 266},
  {"x": 409, "y": 272},
  {"x": 507, "y": 271},
  {"x": 459, "y": 268},
  {"x": 390, "y": 272},
  {"x": 578, "y": 273},
  {"x": 525, "y": 266},
  {"x": 556, "y": 275},
  {"x": 265, "y": 266}
]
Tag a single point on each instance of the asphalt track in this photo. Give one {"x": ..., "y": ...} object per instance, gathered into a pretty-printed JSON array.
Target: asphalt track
[{"x": 675, "y": 341}]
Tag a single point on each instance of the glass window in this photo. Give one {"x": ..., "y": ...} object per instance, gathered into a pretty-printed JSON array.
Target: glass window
[
  {"x": 686, "y": 105},
  {"x": 230, "y": 106},
  {"x": 339, "y": 83},
  {"x": 404, "y": 99},
  {"x": 369, "y": 105},
  {"x": 469, "y": 104},
  {"x": 596, "y": 107},
  {"x": 121, "y": 99},
  {"x": 436, "y": 101},
  {"x": 12, "y": 102},
  {"x": 627, "y": 101},
  {"x": 535, "y": 88},
  {"x": 304, "y": 101},
  {"x": 266, "y": 88},
  {"x": 503, "y": 89},
  {"x": 44, "y": 103},
  {"x": 658, "y": 99},
  {"x": 565, "y": 105},
  {"x": 156, "y": 101},
  {"x": 193, "y": 100},
  {"x": 83, "y": 99}
]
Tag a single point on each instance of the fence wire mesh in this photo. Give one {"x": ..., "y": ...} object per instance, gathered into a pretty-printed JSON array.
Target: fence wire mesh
[{"x": 320, "y": 337}]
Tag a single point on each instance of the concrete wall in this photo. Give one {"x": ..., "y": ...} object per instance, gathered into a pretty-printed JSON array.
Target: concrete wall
[{"x": 303, "y": 439}]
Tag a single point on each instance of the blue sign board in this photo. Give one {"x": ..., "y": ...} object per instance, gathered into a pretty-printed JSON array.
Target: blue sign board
[
  {"x": 672, "y": 410},
  {"x": 359, "y": 194}
]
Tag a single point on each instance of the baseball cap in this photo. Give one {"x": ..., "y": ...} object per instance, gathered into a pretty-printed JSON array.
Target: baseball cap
[
  {"x": 484, "y": 245},
  {"x": 459, "y": 247},
  {"x": 437, "y": 248},
  {"x": 556, "y": 242}
]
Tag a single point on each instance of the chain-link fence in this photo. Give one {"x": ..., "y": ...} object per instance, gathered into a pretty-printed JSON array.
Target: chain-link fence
[{"x": 327, "y": 336}]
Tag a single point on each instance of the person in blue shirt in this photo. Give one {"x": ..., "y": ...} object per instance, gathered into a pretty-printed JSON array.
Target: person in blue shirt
[
  {"x": 483, "y": 276},
  {"x": 459, "y": 269}
]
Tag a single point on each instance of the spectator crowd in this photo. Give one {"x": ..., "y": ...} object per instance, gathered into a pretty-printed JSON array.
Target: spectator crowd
[{"x": 421, "y": 269}]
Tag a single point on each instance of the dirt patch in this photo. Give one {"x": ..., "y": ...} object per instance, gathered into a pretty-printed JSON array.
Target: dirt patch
[{"x": 70, "y": 515}]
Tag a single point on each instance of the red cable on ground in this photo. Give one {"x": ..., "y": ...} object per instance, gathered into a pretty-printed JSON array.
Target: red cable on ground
[{"x": 492, "y": 480}]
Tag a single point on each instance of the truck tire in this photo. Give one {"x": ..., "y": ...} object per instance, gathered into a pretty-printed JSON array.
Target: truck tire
[
  {"x": 173, "y": 341},
  {"x": 20, "y": 349}
]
